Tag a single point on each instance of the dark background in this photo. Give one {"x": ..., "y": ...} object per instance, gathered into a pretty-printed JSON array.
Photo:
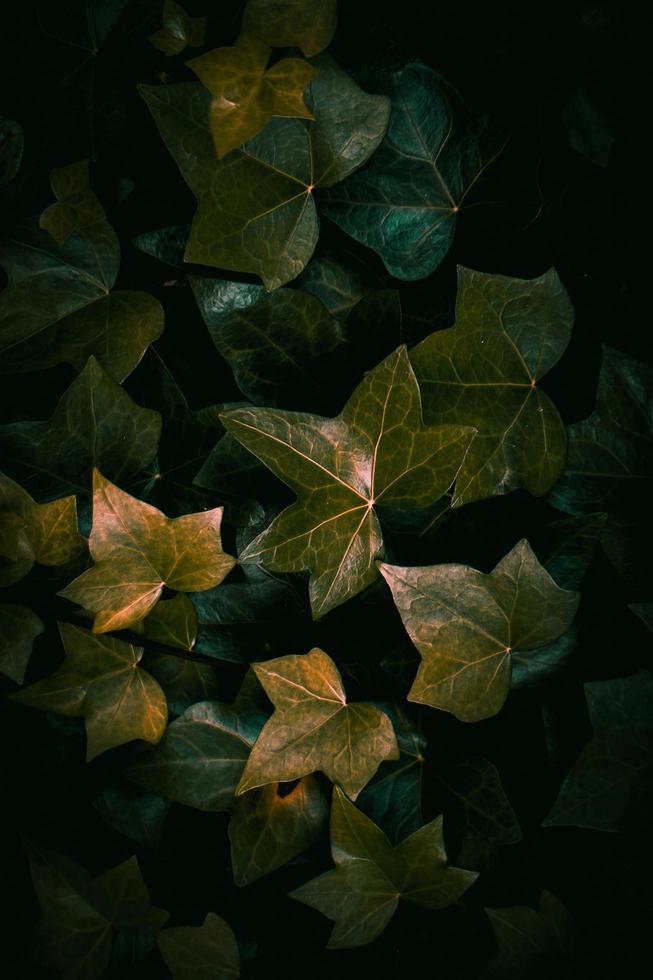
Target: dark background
[{"x": 540, "y": 204}]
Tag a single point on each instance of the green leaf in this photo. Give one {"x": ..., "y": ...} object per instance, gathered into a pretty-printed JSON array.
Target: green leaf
[
  {"x": 609, "y": 786},
  {"x": 246, "y": 94},
  {"x": 571, "y": 544},
  {"x": 375, "y": 453},
  {"x": 338, "y": 287},
  {"x": 255, "y": 207},
  {"x": 178, "y": 31},
  {"x": 305, "y": 24},
  {"x": 173, "y": 622},
  {"x": 483, "y": 372},
  {"x": 281, "y": 347},
  {"x": 314, "y": 728},
  {"x": 362, "y": 893},
  {"x": 11, "y": 149},
  {"x": 19, "y": 627},
  {"x": 138, "y": 551},
  {"x": 270, "y": 826},
  {"x": 77, "y": 206},
  {"x": 466, "y": 626},
  {"x": 200, "y": 953},
  {"x": 533, "y": 943},
  {"x": 95, "y": 424},
  {"x": 101, "y": 681},
  {"x": 57, "y": 306},
  {"x": 590, "y": 132},
  {"x": 644, "y": 610},
  {"x": 200, "y": 759},
  {"x": 404, "y": 205},
  {"x": 477, "y": 805},
  {"x": 132, "y": 812},
  {"x": 536, "y": 665}
]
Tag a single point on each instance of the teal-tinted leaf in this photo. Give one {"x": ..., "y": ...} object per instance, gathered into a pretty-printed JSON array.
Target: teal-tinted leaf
[
  {"x": 282, "y": 347},
  {"x": 133, "y": 812},
  {"x": 405, "y": 204},
  {"x": 11, "y": 149},
  {"x": 483, "y": 371},
  {"x": 19, "y": 627},
  {"x": 645, "y": 612},
  {"x": 178, "y": 30},
  {"x": 256, "y": 211},
  {"x": 533, "y": 943},
  {"x": 570, "y": 547},
  {"x": 166, "y": 244},
  {"x": 589, "y": 130},
  {"x": 337, "y": 286},
  {"x": 536, "y": 665},
  {"x": 95, "y": 424}
]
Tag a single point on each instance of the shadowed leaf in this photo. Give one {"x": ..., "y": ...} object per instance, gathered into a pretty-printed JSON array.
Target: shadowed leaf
[
  {"x": 19, "y": 627},
  {"x": 77, "y": 206},
  {"x": 178, "y": 31},
  {"x": 305, "y": 24},
  {"x": 199, "y": 953},
  {"x": 533, "y": 943}
]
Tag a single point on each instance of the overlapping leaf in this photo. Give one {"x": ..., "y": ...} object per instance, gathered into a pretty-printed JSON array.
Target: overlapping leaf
[
  {"x": 58, "y": 305},
  {"x": 306, "y": 24},
  {"x": 193, "y": 953},
  {"x": 19, "y": 627},
  {"x": 405, "y": 204},
  {"x": 101, "y": 680},
  {"x": 256, "y": 211},
  {"x": 314, "y": 728},
  {"x": 138, "y": 551},
  {"x": 484, "y": 371},
  {"x": 466, "y": 626},
  {"x": 362, "y": 893},
  {"x": 532, "y": 943},
  {"x": 375, "y": 453},
  {"x": 77, "y": 206},
  {"x": 178, "y": 30}
]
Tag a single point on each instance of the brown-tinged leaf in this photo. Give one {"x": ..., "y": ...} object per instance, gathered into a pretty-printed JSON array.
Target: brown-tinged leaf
[
  {"x": 362, "y": 893},
  {"x": 178, "y": 30},
  {"x": 173, "y": 622},
  {"x": 101, "y": 680},
  {"x": 245, "y": 94},
  {"x": 77, "y": 206},
  {"x": 305, "y": 24},
  {"x": 466, "y": 626},
  {"x": 533, "y": 943},
  {"x": 207, "y": 952},
  {"x": 314, "y": 728},
  {"x": 19, "y": 627},
  {"x": 138, "y": 551}
]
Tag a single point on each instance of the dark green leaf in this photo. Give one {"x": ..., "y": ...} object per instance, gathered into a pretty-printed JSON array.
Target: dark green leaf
[
  {"x": 533, "y": 943},
  {"x": 19, "y": 627},
  {"x": 193, "y": 953}
]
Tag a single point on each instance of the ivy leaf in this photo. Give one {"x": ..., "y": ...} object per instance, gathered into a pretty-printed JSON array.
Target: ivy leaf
[
  {"x": 305, "y": 24},
  {"x": 80, "y": 914},
  {"x": 362, "y": 893},
  {"x": 138, "y": 551},
  {"x": 245, "y": 94},
  {"x": 194, "y": 953},
  {"x": 609, "y": 786},
  {"x": 571, "y": 544},
  {"x": 11, "y": 149},
  {"x": 483, "y": 372},
  {"x": 31, "y": 532},
  {"x": 101, "y": 681},
  {"x": 132, "y": 812},
  {"x": 532, "y": 943},
  {"x": 58, "y": 305},
  {"x": 466, "y": 626},
  {"x": 314, "y": 728},
  {"x": 19, "y": 627},
  {"x": 95, "y": 424},
  {"x": 644, "y": 611},
  {"x": 404, "y": 205},
  {"x": 339, "y": 287},
  {"x": 477, "y": 805},
  {"x": 77, "y": 206},
  {"x": 255, "y": 207},
  {"x": 200, "y": 759},
  {"x": 178, "y": 31},
  {"x": 270, "y": 826},
  {"x": 173, "y": 622},
  {"x": 375, "y": 453},
  {"x": 280, "y": 346}
]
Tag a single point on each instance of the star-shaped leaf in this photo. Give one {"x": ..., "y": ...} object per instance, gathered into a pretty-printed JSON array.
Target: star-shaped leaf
[
  {"x": 101, "y": 681},
  {"x": 466, "y": 626},
  {"x": 19, "y": 627},
  {"x": 95, "y": 424},
  {"x": 256, "y": 211},
  {"x": 138, "y": 551},
  {"x": 483, "y": 372},
  {"x": 201, "y": 952},
  {"x": 245, "y": 94},
  {"x": 178, "y": 30},
  {"x": 533, "y": 943},
  {"x": 405, "y": 204},
  {"x": 375, "y": 453},
  {"x": 314, "y": 728},
  {"x": 362, "y": 893},
  {"x": 31, "y": 532},
  {"x": 305, "y": 24},
  {"x": 58, "y": 305},
  {"x": 77, "y": 206}
]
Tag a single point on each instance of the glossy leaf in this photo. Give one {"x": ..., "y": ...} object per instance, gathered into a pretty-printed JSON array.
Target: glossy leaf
[
  {"x": 200, "y": 953},
  {"x": 533, "y": 943},
  {"x": 483, "y": 372},
  {"x": 375, "y": 453},
  {"x": 306, "y": 24},
  {"x": 178, "y": 30},
  {"x": 255, "y": 207},
  {"x": 246, "y": 94},
  {"x": 362, "y": 893},
  {"x": 138, "y": 551},
  {"x": 314, "y": 728},
  {"x": 58, "y": 308},
  {"x": 338, "y": 287},
  {"x": 270, "y": 826},
  {"x": 77, "y": 206},
  {"x": 466, "y": 626},
  {"x": 95, "y": 424},
  {"x": 101, "y": 681},
  {"x": 19, "y": 627},
  {"x": 405, "y": 204}
]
